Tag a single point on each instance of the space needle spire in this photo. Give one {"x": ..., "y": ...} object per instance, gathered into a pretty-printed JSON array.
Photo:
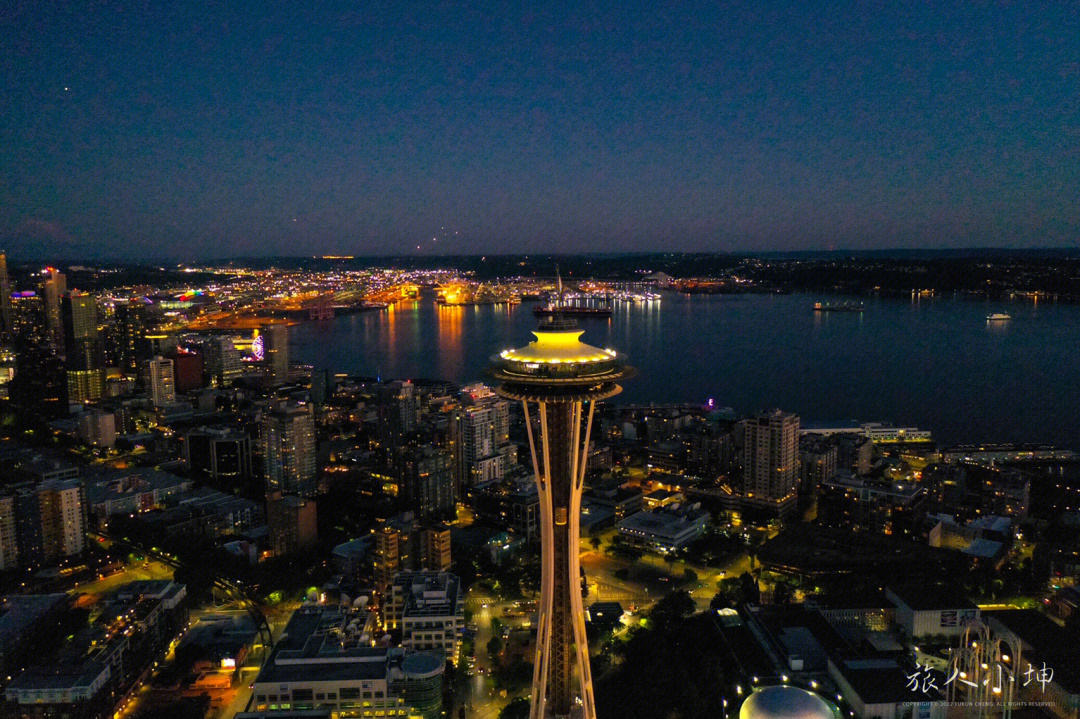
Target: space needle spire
[{"x": 559, "y": 379}]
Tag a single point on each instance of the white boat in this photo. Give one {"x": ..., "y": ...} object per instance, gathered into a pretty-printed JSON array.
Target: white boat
[{"x": 998, "y": 317}]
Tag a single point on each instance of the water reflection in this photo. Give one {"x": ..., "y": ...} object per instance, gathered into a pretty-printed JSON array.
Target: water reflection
[{"x": 931, "y": 361}]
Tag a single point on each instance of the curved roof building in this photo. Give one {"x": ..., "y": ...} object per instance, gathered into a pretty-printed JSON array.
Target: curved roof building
[{"x": 785, "y": 702}]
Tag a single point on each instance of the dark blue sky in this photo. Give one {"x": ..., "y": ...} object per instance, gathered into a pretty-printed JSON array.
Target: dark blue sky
[{"x": 184, "y": 130}]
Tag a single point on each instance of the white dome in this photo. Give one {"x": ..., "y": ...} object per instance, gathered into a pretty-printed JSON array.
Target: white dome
[{"x": 785, "y": 702}]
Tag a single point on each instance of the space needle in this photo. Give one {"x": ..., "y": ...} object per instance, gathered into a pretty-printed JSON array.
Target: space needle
[{"x": 559, "y": 379}]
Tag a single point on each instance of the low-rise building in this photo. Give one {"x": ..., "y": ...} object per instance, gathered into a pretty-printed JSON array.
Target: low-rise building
[
  {"x": 324, "y": 662},
  {"x": 97, "y": 667},
  {"x": 133, "y": 491},
  {"x": 21, "y": 616},
  {"x": 206, "y": 512},
  {"x": 620, "y": 499},
  {"x": 509, "y": 504},
  {"x": 929, "y": 611},
  {"x": 893, "y": 508},
  {"x": 666, "y": 529},
  {"x": 1048, "y": 651}
]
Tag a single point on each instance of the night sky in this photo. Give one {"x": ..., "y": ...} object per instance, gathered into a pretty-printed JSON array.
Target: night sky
[{"x": 173, "y": 129}]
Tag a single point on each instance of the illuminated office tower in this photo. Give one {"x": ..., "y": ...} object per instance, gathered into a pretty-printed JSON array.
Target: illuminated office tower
[
  {"x": 7, "y": 317},
  {"x": 83, "y": 347},
  {"x": 131, "y": 329},
  {"x": 161, "y": 381},
  {"x": 55, "y": 286},
  {"x": 222, "y": 360},
  {"x": 559, "y": 379},
  {"x": 288, "y": 448}
]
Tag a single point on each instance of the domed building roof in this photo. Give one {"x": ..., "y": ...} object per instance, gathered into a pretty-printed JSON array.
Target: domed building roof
[
  {"x": 785, "y": 702},
  {"x": 423, "y": 665}
]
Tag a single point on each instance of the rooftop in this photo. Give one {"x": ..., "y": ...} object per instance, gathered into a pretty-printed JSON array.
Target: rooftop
[
  {"x": 428, "y": 594},
  {"x": 321, "y": 643},
  {"x": 931, "y": 597},
  {"x": 18, "y": 612},
  {"x": 669, "y": 521}
]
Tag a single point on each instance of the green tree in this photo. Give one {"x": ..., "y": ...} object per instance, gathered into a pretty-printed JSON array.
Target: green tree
[
  {"x": 494, "y": 648},
  {"x": 671, "y": 609},
  {"x": 596, "y": 543},
  {"x": 782, "y": 593},
  {"x": 517, "y": 709},
  {"x": 748, "y": 585}
]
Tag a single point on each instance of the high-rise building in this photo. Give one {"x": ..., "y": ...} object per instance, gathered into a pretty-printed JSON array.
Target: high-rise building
[
  {"x": 288, "y": 448},
  {"x": 771, "y": 462},
  {"x": 97, "y": 428},
  {"x": 54, "y": 287},
  {"x": 222, "y": 360},
  {"x": 9, "y": 539},
  {"x": 818, "y": 463},
  {"x": 427, "y": 483},
  {"x": 8, "y": 365},
  {"x": 187, "y": 369},
  {"x": 276, "y": 353},
  {"x": 480, "y": 437},
  {"x": 79, "y": 316},
  {"x": 131, "y": 321},
  {"x": 435, "y": 553},
  {"x": 292, "y": 522},
  {"x": 27, "y": 508},
  {"x": 7, "y": 316},
  {"x": 161, "y": 381},
  {"x": 322, "y": 386},
  {"x": 402, "y": 544},
  {"x": 217, "y": 453},
  {"x": 83, "y": 348},
  {"x": 39, "y": 388},
  {"x": 563, "y": 379},
  {"x": 399, "y": 409},
  {"x": 63, "y": 518}
]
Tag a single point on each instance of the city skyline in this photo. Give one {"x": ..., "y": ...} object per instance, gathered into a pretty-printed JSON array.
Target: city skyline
[
  {"x": 540, "y": 361},
  {"x": 191, "y": 132},
  {"x": 230, "y": 444}
]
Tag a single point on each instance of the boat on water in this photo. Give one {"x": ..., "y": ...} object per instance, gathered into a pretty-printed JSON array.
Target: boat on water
[
  {"x": 998, "y": 317},
  {"x": 571, "y": 310},
  {"x": 577, "y": 307},
  {"x": 839, "y": 307}
]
